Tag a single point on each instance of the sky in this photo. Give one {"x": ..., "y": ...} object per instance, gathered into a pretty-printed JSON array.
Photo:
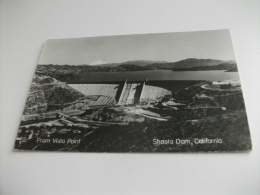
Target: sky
[{"x": 170, "y": 47}]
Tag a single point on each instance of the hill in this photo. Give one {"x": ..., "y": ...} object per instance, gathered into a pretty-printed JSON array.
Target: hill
[
  {"x": 192, "y": 62},
  {"x": 230, "y": 67},
  {"x": 143, "y": 62},
  {"x": 47, "y": 93},
  {"x": 128, "y": 67},
  {"x": 187, "y": 63},
  {"x": 69, "y": 72}
]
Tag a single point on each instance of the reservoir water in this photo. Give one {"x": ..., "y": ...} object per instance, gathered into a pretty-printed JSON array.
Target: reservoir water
[{"x": 213, "y": 75}]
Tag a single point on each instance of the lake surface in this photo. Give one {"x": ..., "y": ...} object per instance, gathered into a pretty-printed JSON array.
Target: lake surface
[{"x": 214, "y": 75}]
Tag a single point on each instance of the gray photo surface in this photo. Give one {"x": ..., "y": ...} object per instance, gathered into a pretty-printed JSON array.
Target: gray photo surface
[{"x": 148, "y": 93}]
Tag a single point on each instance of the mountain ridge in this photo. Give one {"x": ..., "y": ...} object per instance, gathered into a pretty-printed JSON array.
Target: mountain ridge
[
  {"x": 229, "y": 66},
  {"x": 186, "y": 63},
  {"x": 71, "y": 72}
]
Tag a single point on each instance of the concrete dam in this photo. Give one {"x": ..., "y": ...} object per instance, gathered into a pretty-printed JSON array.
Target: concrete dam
[{"x": 123, "y": 93}]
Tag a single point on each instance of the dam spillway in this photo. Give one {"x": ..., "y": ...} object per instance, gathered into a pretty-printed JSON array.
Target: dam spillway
[
  {"x": 130, "y": 94},
  {"x": 123, "y": 93}
]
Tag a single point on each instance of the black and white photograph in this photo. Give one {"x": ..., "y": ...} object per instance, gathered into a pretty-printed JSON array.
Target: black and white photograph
[
  {"x": 140, "y": 93},
  {"x": 129, "y": 97}
]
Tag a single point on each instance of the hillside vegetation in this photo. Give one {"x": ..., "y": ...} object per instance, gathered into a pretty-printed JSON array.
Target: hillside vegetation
[{"x": 48, "y": 91}]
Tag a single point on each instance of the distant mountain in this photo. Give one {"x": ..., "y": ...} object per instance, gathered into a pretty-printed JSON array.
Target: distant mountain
[
  {"x": 230, "y": 66},
  {"x": 67, "y": 72},
  {"x": 143, "y": 62},
  {"x": 70, "y": 72},
  {"x": 101, "y": 65},
  {"x": 167, "y": 65},
  {"x": 134, "y": 62},
  {"x": 109, "y": 65},
  {"x": 99, "y": 62},
  {"x": 128, "y": 67},
  {"x": 187, "y": 63}
]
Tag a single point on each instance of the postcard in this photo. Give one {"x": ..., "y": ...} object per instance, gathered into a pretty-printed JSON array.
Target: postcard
[{"x": 141, "y": 93}]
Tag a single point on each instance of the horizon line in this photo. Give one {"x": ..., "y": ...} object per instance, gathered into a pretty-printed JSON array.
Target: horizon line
[{"x": 139, "y": 60}]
